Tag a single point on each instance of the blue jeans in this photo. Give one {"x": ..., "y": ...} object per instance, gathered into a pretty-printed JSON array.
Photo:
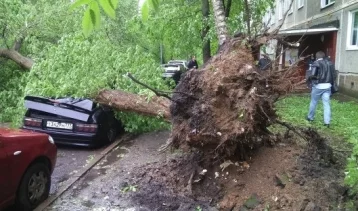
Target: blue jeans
[{"x": 316, "y": 94}]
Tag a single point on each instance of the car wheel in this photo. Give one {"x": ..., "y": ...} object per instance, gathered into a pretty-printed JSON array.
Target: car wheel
[
  {"x": 111, "y": 135},
  {"x": 34, "y": 187}
]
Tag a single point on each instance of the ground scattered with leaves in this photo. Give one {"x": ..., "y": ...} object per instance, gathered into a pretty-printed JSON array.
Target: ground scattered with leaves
[{"x": 135, "y": 176}]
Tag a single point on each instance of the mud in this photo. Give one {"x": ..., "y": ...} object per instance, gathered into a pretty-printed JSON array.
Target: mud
[{"x": 135, "y": 176}]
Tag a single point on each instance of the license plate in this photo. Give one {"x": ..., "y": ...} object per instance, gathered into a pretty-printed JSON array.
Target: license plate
[{"x": 59, "y": 125}]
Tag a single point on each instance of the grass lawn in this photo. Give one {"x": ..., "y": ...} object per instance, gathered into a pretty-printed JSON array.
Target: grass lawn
[{"x": 344, "y": 125}]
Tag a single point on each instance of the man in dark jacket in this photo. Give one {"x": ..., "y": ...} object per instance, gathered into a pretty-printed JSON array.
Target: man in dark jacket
[
  {"x": 322, "y": 77},
  {"x": 193, "y": 63}
]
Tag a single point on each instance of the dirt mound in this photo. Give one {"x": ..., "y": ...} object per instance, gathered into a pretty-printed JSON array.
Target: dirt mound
[
  {"x": 166, "y": 186},
  {"x": 226, "y": 105},
  {"x": 281, "y": 177}
]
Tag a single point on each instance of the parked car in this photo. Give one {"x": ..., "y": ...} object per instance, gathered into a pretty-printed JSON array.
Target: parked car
[
  {"x": 174, "y": 69},
  {"x": 71, "y": 121},
  {"x": 184, "y": 63},
  {"x": 171, "y": 69},
  {"x": 27, "y": 160}
]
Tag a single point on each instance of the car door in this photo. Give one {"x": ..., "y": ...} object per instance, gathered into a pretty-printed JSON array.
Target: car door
[{"x": 5, "y": 192}]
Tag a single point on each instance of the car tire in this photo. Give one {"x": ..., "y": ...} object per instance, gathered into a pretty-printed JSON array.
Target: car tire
[{"x": 34, "y": 187}]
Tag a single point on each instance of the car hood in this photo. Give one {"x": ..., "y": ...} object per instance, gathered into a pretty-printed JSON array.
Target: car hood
[{"x": 7, "y": 133}]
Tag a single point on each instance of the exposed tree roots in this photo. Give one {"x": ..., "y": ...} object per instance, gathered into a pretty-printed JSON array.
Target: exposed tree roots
[{"x": 233, "y": 104}]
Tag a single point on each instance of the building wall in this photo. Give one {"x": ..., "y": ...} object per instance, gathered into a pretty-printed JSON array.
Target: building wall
[
  {"x": 348, "y": 66},
  {"x": 311, "y": 14}
]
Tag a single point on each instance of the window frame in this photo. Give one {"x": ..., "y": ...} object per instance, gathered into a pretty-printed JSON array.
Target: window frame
[
  {"x": 324, "y": 5},
  {"x": 299, "y": 6},
  {"x": 351, "y": 19}
]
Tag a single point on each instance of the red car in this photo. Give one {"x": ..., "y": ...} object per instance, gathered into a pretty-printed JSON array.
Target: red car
[{"x": 27, "y": 160}]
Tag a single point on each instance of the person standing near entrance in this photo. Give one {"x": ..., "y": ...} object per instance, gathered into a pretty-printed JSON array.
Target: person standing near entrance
[{"x": 322, "y": 77}]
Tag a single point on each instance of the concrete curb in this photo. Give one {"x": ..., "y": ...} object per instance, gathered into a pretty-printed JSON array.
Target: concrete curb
[{"x": 81, "y": 173}]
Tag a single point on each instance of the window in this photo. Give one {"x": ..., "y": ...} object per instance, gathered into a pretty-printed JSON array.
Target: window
[
  {"x": 326, "y": 3},
  {"x": 300, "y": 3},
  {"x": 353, "y": 30}
]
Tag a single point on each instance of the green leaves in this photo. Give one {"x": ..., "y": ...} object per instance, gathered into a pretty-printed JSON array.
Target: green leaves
[
  {"x": 147, "y": 6},
  {"x": 87, "y": 24},
  {"x": 95, "y": 14},
  {"x": 79, "y": 3},
  {"x": 108, "y": 8},
  {"x": 92, "y": 15}
]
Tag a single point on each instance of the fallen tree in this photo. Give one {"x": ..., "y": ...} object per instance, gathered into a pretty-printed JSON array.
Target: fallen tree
[
  {"x": 225, "y": 107},
  {"x": 125, "y": 101}
]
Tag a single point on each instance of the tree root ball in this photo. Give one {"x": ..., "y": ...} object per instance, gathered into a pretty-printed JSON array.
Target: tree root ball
[{"x": 225, "y": 106}]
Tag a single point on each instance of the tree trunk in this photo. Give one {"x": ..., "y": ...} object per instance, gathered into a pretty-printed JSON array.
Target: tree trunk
[
  {"x": 206, "y": 42},
  {"x": 228, "y": 8},
  {"x": 220, "y": 22},
  {"x": 248, "y": 18},
  {"x": 21, "y": 60},
  {"x": 125, "y": 101}
]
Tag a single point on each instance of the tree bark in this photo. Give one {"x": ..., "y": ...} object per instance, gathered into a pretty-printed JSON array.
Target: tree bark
[
  {"x": 21, "y": 60},
  {"x": 125, "y": 101},
  {"x": 206, "y": 42},
  {"x": 248, "y": 18},
  {"x": 220, "y": 22}
]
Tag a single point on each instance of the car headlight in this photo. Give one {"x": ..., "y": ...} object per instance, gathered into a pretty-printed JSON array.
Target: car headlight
[{"x": 50, "y": 139}]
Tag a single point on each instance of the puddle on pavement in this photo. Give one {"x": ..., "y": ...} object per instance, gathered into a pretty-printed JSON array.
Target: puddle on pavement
[
  {"x": 116, "y": 154},
  {"x": 88, "y": 204}
]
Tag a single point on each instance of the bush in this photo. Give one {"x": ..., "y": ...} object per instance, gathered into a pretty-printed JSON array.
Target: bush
[{"x": 12, "y": 83}]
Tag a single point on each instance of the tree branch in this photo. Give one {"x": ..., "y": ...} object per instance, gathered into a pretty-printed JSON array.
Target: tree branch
[
  {"x": 290, "y": 127},
  {"x": 23, "y": 61},
  {"x": 157, "y": 92}
]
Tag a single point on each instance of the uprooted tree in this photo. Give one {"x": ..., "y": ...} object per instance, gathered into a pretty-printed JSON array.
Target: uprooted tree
[{"x": 224, "y": 107}]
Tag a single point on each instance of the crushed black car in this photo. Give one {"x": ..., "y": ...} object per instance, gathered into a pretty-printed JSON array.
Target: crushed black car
[{"x": 72, "y": 121}]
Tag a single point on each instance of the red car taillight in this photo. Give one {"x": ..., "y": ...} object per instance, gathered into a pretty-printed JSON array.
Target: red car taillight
[
  {"x": 87, "y": 128},
  {"x": 32, "y": 122}
]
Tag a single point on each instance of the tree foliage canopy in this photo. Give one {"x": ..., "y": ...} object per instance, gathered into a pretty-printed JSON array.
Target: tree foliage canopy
[{"x": 72, "y": 61}]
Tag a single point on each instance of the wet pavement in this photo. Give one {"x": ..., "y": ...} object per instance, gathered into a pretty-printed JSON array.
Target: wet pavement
[
  {"x": 69, "y": 161},
  {"x": 102, "y": 187}
]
